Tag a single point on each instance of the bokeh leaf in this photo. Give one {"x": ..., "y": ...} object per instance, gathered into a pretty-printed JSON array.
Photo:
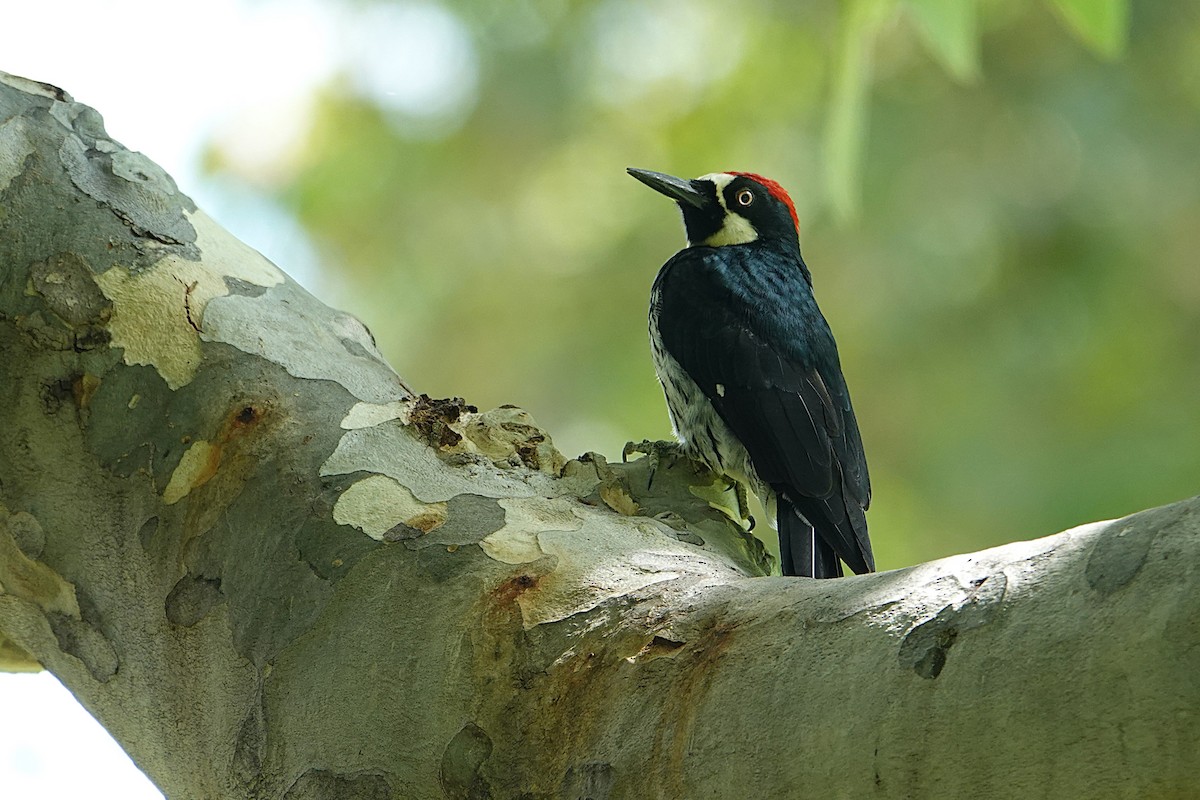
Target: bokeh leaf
[
  {"x": 1103, "y": 25},
  {"x": 846, "y": 127},
  {"x": 949, "y": 30}
]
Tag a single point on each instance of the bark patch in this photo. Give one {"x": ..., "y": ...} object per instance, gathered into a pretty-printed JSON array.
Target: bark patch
[
  {"x": 67, "y": 284},
  {"x": 467, "y": 517},
  {"x": 27, "y": 532},
  {"x": 16, "y": 146},
  {"x": 461, "y": 764},
  {"x": 147, "y": 531},
  {"x": 133, "y": 187},
  {"x": 323, "y": 784},
  {"x": 249, "y": 745},
  {"x": 77, "y": 638},
  {"x": 30, "y": 86},
  {"x": 591, "y": 781},
  {"x": 386, "y": 510},
  {"x": 197, "y": 467},
  {"x": 925, "y": 647},
  {"x": 508, "y": 437},
  {"x": 27, "y": 578},
  {"x": 658, "y": 647},
  {"x": 1116, "y": 558},
  {"x": 192, "y": 598}
]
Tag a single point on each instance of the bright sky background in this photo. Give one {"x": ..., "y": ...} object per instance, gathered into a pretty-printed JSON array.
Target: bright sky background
[
  {"x": 168, "y": 76},
  {"x": 50, "y": 747}
]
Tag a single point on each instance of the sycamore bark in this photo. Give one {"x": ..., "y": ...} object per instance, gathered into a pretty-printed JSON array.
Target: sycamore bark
[{"x": 272, "y": 572}]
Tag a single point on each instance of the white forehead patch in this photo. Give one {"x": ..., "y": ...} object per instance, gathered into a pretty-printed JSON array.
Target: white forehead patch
[
  {"x": 736, "y": 229},
  {"x": 721, "y": 179}
]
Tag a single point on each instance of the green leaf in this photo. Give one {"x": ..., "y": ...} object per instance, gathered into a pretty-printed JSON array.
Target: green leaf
[
  {"x": 846, "y": 126},
  {"x": 1102, "y": 25},
  {"x": 949, "y": 31}
]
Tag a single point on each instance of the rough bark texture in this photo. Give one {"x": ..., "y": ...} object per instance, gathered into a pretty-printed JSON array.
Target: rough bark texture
[{"x": 271, "y": 572}]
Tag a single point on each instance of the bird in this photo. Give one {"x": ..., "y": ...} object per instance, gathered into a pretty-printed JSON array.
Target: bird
[{"x": 751, "y": 372}]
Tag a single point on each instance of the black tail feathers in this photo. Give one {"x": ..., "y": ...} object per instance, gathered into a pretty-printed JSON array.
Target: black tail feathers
[{"x": 801, "y": 550}]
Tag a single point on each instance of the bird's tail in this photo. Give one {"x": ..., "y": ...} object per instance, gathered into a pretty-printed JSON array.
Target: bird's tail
[{"x": 801, "y": 550}]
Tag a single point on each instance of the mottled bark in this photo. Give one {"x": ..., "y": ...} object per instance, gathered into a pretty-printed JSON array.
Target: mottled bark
[{"x": 271, "y": 572}]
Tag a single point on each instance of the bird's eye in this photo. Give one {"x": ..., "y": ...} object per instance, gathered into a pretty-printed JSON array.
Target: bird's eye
[{"x": 745, "y": 197}]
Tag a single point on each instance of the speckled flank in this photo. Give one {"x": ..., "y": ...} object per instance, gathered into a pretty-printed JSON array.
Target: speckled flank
[{"x": 690, "y": 410}]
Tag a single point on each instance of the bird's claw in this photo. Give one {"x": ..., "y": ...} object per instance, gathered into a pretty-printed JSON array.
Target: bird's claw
[
  {"x": 631, "y": 448},
  {"x": 743, "y": 501},
  {"x": 655, "y": 452}
]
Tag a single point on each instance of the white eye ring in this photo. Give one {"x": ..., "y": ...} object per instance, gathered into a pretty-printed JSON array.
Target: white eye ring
[{"x": 745, "y": 197}]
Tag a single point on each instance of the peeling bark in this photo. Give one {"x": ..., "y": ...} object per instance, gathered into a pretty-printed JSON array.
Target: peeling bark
[{"x": 271, "y": 571}]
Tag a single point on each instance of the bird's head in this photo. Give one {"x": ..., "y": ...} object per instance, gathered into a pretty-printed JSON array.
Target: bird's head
[{"x": 729, "y": 208}]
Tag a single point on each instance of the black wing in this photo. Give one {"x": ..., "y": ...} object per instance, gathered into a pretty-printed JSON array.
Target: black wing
[{"x": 744, "y": 325}]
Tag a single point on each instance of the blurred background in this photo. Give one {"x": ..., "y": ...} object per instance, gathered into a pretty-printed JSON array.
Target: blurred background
[{"x": 999, "y": 202}]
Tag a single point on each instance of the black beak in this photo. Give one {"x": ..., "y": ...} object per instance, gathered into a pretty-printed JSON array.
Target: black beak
[{"x": 675, "y": 188}]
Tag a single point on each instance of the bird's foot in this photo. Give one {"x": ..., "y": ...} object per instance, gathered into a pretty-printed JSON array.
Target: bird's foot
[
  {"x": 659, "y": 453},
  {"x": 743, "y": 501}
]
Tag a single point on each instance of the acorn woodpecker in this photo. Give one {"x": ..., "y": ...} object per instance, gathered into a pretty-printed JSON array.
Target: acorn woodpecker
[{"x": 750, "y": 370}]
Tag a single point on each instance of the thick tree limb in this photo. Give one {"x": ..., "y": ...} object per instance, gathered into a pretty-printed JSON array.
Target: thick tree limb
[{"x": 271, "y": 572}]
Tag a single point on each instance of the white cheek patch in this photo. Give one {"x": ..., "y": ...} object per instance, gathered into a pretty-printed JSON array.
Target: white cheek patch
[{"x": 736, "y": 229}]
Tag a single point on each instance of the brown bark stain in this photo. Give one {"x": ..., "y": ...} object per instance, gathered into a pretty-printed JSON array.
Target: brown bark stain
[
  {"x": 510, "y": 589},
  {"x": 427, "y": 521},
  {"x": 556, "y": 698},
  {"x": 241, "y": 421},
  {"x": 211, "y": 464},
  {"x": 492, "y": 642},
  {"x": 231, "y": 458},
  {"x": 236, "y": 424},
  {"x": 79, "y": 388},
  {"x": 557, "y": 707},
  {"x": 659, "y": 647},
  {"x": 504, "y": 601},
  {"x": 694, "y": 668},
  {"x": 83, "y": 388}
]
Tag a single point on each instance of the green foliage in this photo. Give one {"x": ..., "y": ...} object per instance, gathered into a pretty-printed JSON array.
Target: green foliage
[
  {"x": 1101, "y": 24},
  {"x": 1016, "y": 303},
  {"x": 949, "y": 29},
  {"x": 845, "y": 132}
]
